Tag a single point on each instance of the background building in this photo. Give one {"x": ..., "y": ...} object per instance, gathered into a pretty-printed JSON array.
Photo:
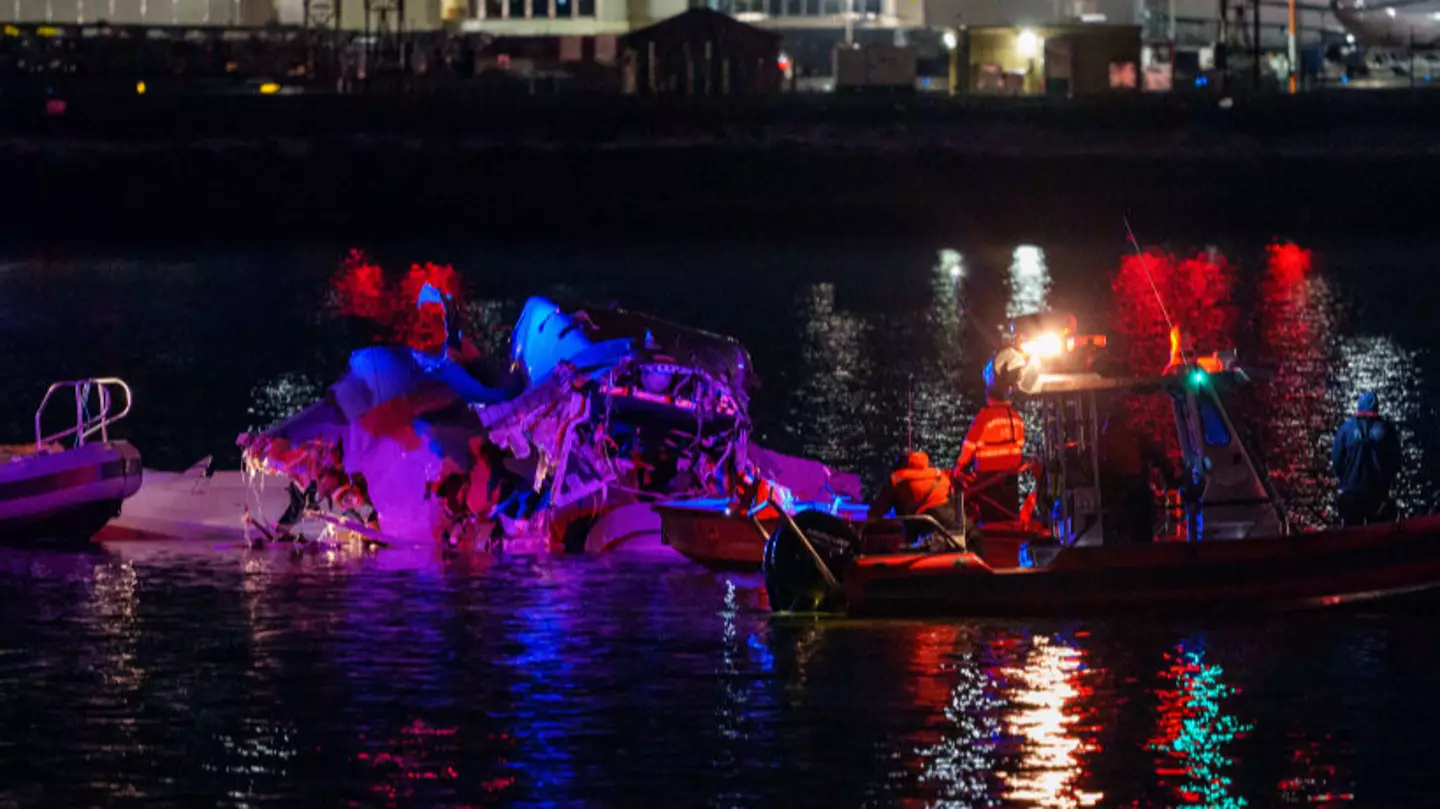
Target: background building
[
  {"x": 419, "y": 15},
  {"x": 810, "y": 28}
]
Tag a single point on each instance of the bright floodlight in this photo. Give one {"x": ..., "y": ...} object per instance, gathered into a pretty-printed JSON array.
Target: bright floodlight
[
  {"x": 950, "y": 40},
  {"x": 1027, "y": 43},
  {"x": 1046, "y": 345}
]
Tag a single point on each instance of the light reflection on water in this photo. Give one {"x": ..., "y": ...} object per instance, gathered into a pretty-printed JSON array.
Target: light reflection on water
[
  {"x": 1045, "y": 688},
  {"x": 1029, "y": 294},
  {"x": 961, "y": 766},
  {"x": 1195, "y": 731},
  {"x": 941, "y": 408},
  {"x": 1029, "y": 282},
  {"x": 1298, "y": 314},
  {"x": 567, "y": 681},
  {"x": 832, "y": 400},
  {"x": 1377, "y": 363},
  {"x": 245, "y": 678}
]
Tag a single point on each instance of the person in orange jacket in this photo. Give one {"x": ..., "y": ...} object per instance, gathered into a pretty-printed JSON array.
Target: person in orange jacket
[
  {"x": 994, "y": 446},
  {"x": 915, "y": 488},
  {"x": 747, "y": 488}
]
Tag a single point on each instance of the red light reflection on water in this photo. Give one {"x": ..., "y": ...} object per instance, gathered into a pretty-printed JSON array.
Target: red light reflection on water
[
  {"x": 359, "y": 289},
  {"x": 1197, "y": 295},
  {"x": 934, "y": 649},
  {"x": 1315, "y": 785},
  {"x": 1194, "y": 731},
  {"x": 952, "y": 683},
  {"x": 1288, "y": 262},
  {"x": 1296, "y": 338},
  {"x": 421, "y": 753}
]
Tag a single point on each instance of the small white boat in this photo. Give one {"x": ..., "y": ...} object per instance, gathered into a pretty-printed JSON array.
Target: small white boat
[
  {"x": 49, "y": 491},
  {"x": 198, "y": 503}
]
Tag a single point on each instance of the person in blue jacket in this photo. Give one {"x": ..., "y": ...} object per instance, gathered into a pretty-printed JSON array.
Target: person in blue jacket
[{"x": 1366, "y": 459}]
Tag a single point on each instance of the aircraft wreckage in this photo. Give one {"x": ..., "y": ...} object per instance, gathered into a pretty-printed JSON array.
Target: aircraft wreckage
[{"x": 601, "y": 413}]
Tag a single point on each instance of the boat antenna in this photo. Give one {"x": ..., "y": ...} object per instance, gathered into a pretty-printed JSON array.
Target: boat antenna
[
  {"x": 1140, "y": 254},
  {"x": 910, "y": 416}
]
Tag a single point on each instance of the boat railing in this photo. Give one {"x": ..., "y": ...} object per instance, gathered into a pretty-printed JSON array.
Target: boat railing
[
  {"x": 774, "y": 502},
  {"x": 86, "y": 422},
  {"x": 956, "y": 542},
  {"x": 753, "y": 514}
]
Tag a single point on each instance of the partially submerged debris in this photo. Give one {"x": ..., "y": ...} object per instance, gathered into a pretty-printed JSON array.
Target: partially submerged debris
[{"x": 611, "y": 408}]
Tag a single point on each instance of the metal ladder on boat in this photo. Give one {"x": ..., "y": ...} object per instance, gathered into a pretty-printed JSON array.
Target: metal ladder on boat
[{"x": 86, "y": 423}]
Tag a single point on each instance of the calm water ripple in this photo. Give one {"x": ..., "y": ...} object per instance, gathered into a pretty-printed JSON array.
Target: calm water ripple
[{"x": 234, "y": 677}]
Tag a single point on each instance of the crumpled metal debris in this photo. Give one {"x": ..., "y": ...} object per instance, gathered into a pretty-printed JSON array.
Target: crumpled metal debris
[{"x": 611, "y": 420}]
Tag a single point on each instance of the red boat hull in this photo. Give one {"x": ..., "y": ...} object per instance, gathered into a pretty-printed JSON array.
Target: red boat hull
[
  {"x": 701, "y": 531},
  {"x": 1304, "y": 570},
  {"x": 712, "y": 539}
]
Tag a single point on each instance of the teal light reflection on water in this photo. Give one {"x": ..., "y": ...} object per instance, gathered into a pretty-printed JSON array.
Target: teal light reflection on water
[{"x": 1195, "y": 730}]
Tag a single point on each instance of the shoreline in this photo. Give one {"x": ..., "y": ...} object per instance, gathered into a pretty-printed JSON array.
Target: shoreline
[
  {"x": 96, "y": 108},
  {"x": 695, "y": 172},
  {"x": 779, "y": 194}
]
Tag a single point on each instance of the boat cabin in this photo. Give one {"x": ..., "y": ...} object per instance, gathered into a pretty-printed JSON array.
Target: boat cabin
[{"x": 1223, "y": 492}]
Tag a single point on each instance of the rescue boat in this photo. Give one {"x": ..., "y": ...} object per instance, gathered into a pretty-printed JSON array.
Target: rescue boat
[
  {"x": 1227, "y": 546},
  {"x": 705, "y": 531},
  {"x": 54, "y": 492}
]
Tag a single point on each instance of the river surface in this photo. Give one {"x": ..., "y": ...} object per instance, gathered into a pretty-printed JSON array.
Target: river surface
[{"x": 190, "y": 675}]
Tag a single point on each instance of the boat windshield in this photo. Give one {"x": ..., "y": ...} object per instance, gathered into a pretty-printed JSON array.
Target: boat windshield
[{"x": 1212, "y": 425}]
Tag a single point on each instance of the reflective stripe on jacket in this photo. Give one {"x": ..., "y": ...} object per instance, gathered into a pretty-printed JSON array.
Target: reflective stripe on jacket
[{"x": 995, "y": 441}]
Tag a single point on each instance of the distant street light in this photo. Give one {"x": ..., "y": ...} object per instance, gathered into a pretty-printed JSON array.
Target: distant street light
[
  {"x": 1027, "y": 44},
  {"x": 951, "y": 43}
]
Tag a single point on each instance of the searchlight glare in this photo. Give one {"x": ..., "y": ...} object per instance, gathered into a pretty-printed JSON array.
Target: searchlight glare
[{"x": 1046, "y": 345}]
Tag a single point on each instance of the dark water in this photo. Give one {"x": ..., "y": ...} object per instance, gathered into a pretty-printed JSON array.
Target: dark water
[
  {"x": 244, "y": 679},
  {"x": 202, "y": 676}
]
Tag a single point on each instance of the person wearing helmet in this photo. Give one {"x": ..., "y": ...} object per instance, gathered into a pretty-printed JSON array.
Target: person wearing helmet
[
  {"x": 993, "y": 447},
  {"x": 1366, "y": 460}
]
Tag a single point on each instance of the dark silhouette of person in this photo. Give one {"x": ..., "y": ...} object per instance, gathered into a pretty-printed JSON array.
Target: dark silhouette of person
[
  {"x": 1128, "y": 460},
  {"x": 1366, "y": 461}
]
